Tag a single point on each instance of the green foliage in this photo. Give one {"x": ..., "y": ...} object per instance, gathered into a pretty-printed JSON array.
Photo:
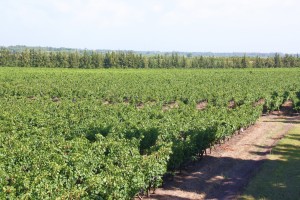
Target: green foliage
[
  {"x": 92, "y": 59},
  {"x": 109, "y": 134}
]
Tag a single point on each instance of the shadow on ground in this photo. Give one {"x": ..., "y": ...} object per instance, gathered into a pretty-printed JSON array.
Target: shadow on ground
[
  {"x": 235, "y": 175},
  {"x": 280, "y": 176},
  {"x": 285, "y": 121}
]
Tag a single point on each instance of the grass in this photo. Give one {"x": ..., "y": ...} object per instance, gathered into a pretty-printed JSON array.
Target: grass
[{"x": 279, "y": 177}]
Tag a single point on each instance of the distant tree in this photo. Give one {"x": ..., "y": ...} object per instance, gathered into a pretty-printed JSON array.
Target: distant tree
[
  {"x": 97, "y": 60},
  {"x": 202, "y": 62},
  {"x": 175, "y": 60},
  {"x": 258, "y": 62},
  {"x": 184, "y": 62},
  {"x": 277, "y": 60},
  {"x": 158, "y": 61},
  {"x": 121, "y": 62},
  {"x": 152, "y": 62},
  {"x": 33, "y": 58},
  {"x": 195, "y": 63},
  {"x": 145, "y": 62},
  {"x": 74, "y": 59},
  {"x": 166, "y": 61},
  {"x": 297, "y": 61},
  {"x": 85, "y": 60},
  {"x": 209, "y": 62},
  {"x": 289, "y": 61},
  {"x": 130, "y": 60},
  {"x": 228, "y": 63},
  {"x": 4, "y": 57},
  {"x": 244, "y": 62},
  {"x": 46, "y": 59},
  {"x": 62, "y": 60},
  {"x": 40, "y": 58},
  {"x": 140, "y": 61},
  {"x": 269, "y": 62},
  {"x": 52, "y": 58},
  {"x": 107, "y": 63},
  {"x": 221, "y": 63},
  {"x": 24, "y": 59}
]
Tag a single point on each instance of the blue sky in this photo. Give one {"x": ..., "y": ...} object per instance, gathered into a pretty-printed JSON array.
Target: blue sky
[{"x": 163, "y": 25}]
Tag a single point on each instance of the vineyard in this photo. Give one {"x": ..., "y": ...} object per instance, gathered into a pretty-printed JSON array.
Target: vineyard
[{"x": 113, "y": 134}]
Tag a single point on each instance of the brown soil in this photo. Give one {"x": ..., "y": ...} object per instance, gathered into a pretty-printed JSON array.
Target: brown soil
[
  {"x": 287, "y": 107},
  {"x": 126, "y": 102},
  {"x": 225, "y": 172},
  {"x": 140, "y": 106},
  {"x": 107, "y": 102},
  {"x": 152, "y": 103},
  {"x": 32, "y": 98},
  {"x": 231, "y": 104},
  {"x": 259, "y": 102},
  {"x": 169, "y": 106},
  {"x": 201, "y": 105},
  {"x": 55, "y": 99}
]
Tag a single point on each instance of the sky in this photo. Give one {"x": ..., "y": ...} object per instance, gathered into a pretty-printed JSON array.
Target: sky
[{"x": 154, "y": 25}]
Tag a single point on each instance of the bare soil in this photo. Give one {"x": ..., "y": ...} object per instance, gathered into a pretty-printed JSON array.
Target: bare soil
[
  {"x": 140, "y": 106},
  {"x": 225, "y": 172},
  {"x": 231, "y": 104},
  {"x": 171, "y": 105},
  {"x": 55, "y": 99},
  {"x": 259, "y": 102},
  {"x": 202, "y": 105}
]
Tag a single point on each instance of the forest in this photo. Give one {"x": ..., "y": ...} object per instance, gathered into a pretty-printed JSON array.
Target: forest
[{"x": 63, "y": 58}]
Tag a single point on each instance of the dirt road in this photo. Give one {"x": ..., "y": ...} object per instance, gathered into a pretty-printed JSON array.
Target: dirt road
[{"x": 227, "y": 170}]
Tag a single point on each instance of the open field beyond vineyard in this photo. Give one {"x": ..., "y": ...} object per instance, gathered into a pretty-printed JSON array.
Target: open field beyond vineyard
[{"x": 113, "y": 134}]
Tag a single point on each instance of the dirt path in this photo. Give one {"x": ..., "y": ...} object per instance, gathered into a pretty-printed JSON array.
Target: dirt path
[{"x": 227, "y": 170}]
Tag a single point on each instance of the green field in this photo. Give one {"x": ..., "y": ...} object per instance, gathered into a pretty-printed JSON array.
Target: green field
[
  {"x": 108, "y": 134},
  {"x": 279, "y": 177}
]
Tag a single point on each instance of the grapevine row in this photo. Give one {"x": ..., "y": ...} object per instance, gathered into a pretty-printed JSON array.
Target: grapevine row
[{"x": 75, "y": 134}]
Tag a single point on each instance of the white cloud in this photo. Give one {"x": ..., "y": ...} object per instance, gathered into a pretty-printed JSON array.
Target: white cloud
[
  {"x": 191, "y": 11},
  {"x": 158, "y": 8},
  {"x": 157, "y": 24},
  {"x": 106, "y": 13}
]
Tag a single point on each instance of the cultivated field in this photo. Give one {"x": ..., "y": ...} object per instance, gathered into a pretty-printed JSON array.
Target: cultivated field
[{"x": 112, "y": 134}]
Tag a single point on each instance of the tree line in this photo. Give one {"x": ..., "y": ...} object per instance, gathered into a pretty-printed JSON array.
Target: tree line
[{"x": 125, "y": 59}]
